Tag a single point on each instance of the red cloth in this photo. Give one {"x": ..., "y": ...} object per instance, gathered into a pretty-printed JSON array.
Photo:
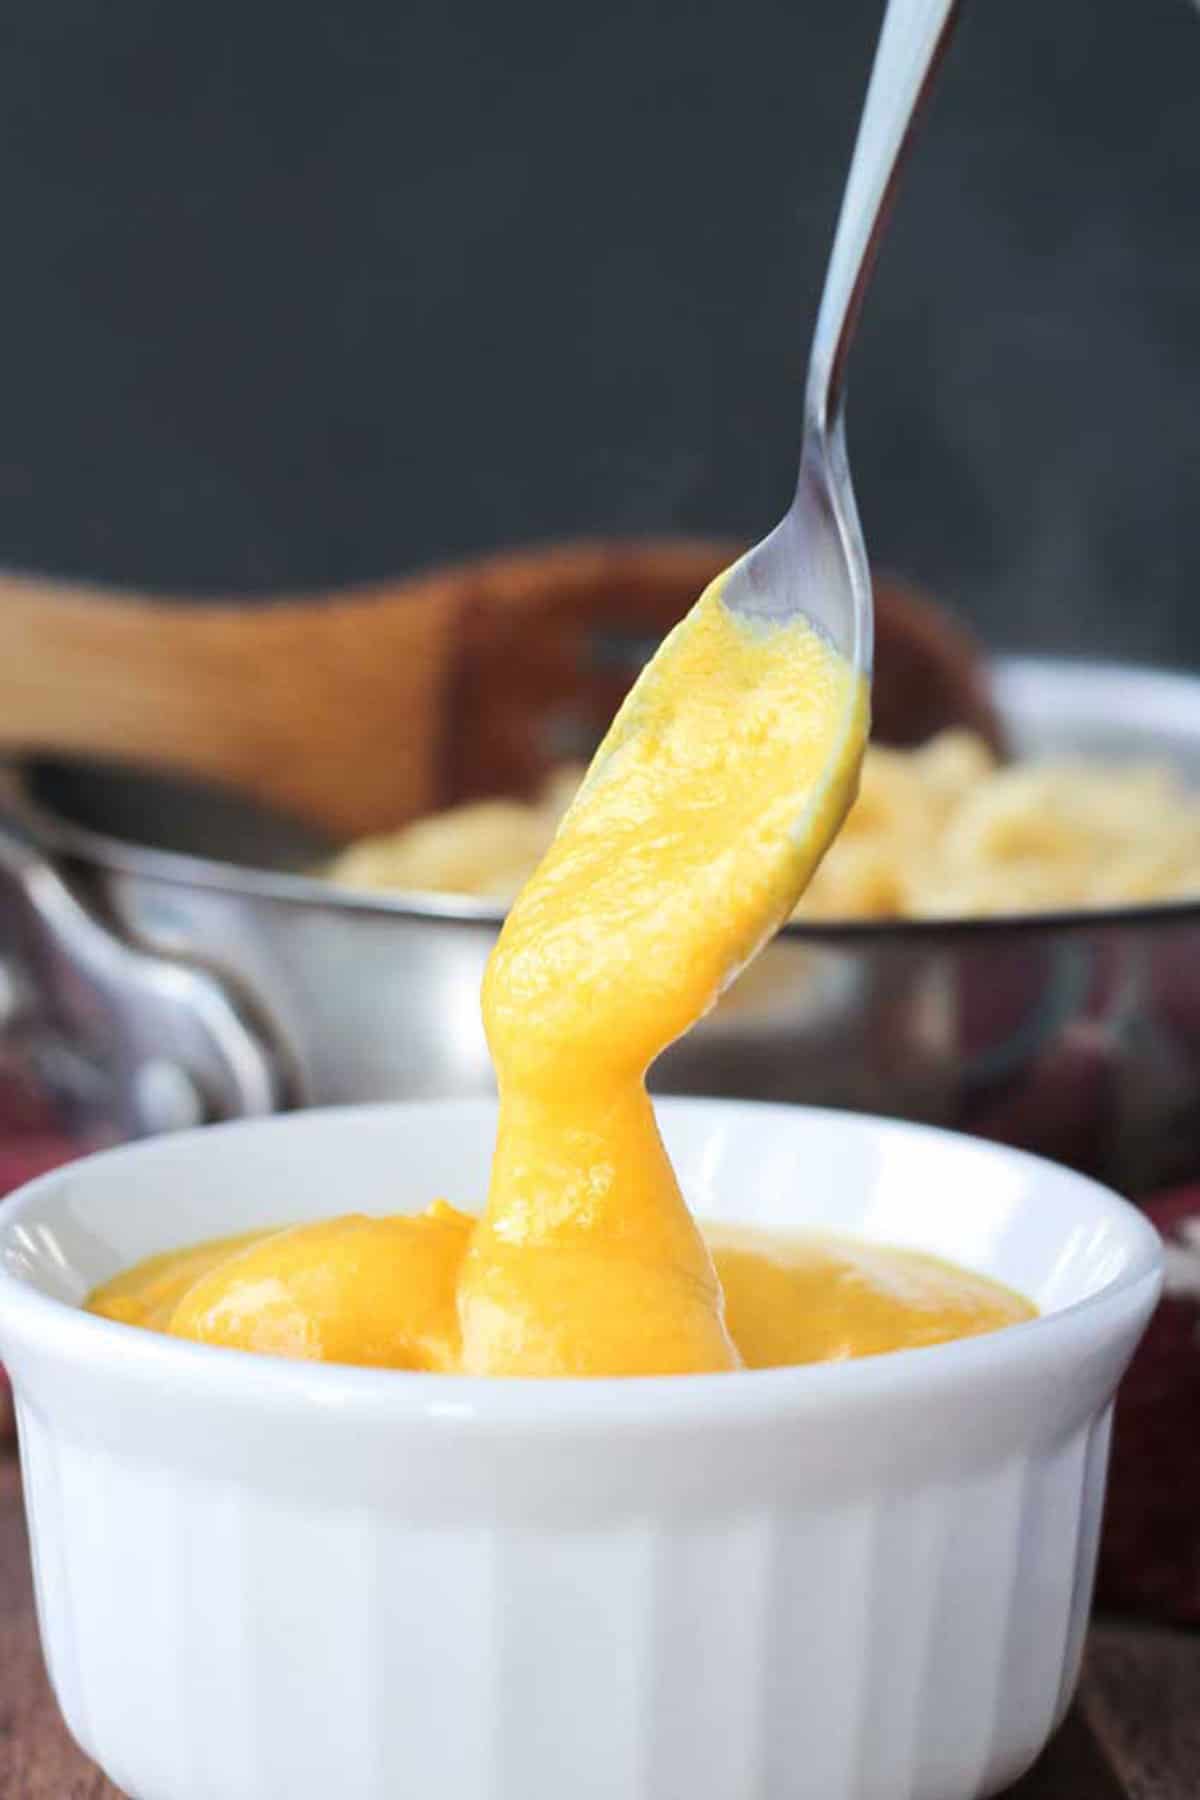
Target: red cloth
[
  {"x": 22, "y": 1160},
  {"x": 1150, "y": 1553}
]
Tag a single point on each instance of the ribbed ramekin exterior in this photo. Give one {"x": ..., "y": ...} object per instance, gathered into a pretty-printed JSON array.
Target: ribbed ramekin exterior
[
  {"x": 261, "y": 1580},
  {"x": 209, "y": 1639}
]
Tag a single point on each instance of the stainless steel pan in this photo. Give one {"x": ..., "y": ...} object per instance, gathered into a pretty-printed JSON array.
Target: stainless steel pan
[{"x": 163, "y": 958}]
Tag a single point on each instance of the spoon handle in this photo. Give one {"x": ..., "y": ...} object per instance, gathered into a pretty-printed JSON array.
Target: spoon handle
[{"x": 911, "y": 42}]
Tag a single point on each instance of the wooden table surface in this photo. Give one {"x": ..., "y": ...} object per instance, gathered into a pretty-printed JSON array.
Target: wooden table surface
[{"x": 1134, "y": 1734}]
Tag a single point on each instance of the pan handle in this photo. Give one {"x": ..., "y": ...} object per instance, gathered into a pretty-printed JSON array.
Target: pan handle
[{"x": 167, "y": 1041}]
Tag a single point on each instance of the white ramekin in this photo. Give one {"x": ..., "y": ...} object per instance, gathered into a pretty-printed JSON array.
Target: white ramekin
[{"x": 261, "y": 1580}]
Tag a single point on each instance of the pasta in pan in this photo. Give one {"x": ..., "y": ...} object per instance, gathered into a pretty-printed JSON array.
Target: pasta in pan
[{"x": 944, "y": 831}]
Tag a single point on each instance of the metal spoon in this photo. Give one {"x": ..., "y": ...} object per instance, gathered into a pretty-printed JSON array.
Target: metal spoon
[{"x": 814, "y": 563}]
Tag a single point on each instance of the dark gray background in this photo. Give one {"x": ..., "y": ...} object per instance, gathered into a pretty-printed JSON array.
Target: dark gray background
[{"x": 295, "y": 296}]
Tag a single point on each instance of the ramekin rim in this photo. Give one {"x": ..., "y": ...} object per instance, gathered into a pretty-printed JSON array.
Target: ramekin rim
[{"x": 29, "y": 1317}]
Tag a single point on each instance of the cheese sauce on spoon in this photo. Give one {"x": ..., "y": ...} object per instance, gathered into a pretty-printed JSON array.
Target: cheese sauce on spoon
[{"x": 721, "y": 782}]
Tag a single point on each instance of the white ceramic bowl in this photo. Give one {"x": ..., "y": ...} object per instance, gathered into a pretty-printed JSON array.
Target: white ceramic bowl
[{"x": 261, "y": 1580}]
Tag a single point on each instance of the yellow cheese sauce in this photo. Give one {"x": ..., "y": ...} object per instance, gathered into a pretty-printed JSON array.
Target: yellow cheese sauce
[
  {"x": 721, "y": 783},
  {"x": 381, "y": 1293}
]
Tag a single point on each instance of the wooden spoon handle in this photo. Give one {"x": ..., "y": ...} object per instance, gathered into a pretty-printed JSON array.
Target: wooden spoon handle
[{"x": 329, "y": 709}]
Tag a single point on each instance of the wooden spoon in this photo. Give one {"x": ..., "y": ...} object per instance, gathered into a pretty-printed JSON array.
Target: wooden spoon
[{"x": 357, "y": 710}]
